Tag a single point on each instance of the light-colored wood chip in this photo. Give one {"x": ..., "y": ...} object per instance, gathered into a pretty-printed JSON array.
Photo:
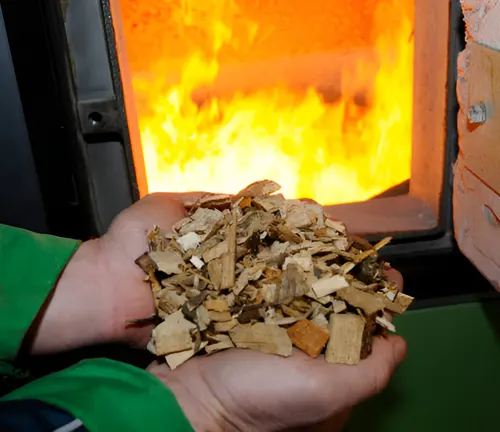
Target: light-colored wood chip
[
  {"x": 219, "y": 305},
  {"x": 215, "y": 272},
  {"x": 224, "y": 327},
  {"x": 386, "y": 324},
  {"x": 190, "y": 240},
  {"x": 304, "y": 262},
  {"x": 211, "y": 349},
  {"x": 297, "y": 215},
  {"x": 400, "y": 303},
  {"x": 336, "y": 225},
  {"x": 169, "y": 301},
  {"x": 321, "y": 321},
  {"x": 229, "y": 258},
  {"x": 219, "y": 316},
  {"x": 346, "y": 339},
  {"x": 174, "y": 334},
  {"x": 262, "y": 337},
  {"x": 260, "y": 188},
  {"x": 329, "y": 285},
  {"x": 339, "y": 306},
  {"x": 270, "y": 204},
  {"x": 309, "y": 337},
  {"x": 167, "y": 261},
  {"x": 176, "y": 359},
  {"x": 370, "y": 303},
  {"x": 216, "y": 252},
  {"x": 197, "y": 262},
  {"x": 202, "y": 318}
]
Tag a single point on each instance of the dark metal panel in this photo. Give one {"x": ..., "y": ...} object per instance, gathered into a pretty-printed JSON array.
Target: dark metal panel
[
  {"x": 108, "y": 171},
  {"x": 88, "y": 50},
  {"x": 20, "y": 197}
]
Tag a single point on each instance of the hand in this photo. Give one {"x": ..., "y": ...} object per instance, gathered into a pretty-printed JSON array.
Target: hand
[
  {"x": 245, "y": 390},
  {"x": 242, "y": 390},
  {"x": 101, "y": 287}
]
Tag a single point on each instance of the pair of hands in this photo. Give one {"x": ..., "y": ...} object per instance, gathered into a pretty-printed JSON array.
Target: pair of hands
[{"x": 102, "y": 288}]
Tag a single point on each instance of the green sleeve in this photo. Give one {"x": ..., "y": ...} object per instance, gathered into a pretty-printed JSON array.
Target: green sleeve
[
  {"x": 29, "y": 267},
  {"x": 109, "y": 396}
]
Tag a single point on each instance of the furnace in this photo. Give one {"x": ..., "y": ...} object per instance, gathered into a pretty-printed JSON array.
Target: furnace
[{"x": 346, "y": 104}]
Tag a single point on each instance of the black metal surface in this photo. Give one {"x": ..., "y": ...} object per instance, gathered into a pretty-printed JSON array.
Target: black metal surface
[
  {"x": 70, "y": 103},
  {"x": 31, "y": 25},
  {"x": 103, "y": 124},
  {"x": 20, "y": 198}
]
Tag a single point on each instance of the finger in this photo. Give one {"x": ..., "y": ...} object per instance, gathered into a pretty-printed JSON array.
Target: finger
[
  {"x": 155, "y": 209},
  {"x": 349, "y": 385},
  {"x": 396, "y": 277},
  {"x": 189, "y": 199}
]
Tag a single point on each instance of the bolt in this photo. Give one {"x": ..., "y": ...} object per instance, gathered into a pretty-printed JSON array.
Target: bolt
[{"x": 478, "y": 113}]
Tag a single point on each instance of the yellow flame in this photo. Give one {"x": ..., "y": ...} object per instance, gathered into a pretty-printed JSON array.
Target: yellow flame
[{"x": 333, "y": 152}]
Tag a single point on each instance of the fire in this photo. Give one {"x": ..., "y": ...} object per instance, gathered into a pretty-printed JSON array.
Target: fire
[{"x": 203, "y": 128}]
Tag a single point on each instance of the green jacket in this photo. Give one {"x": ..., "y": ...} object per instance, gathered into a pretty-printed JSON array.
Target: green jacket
[{"x": 105, "y": 395}]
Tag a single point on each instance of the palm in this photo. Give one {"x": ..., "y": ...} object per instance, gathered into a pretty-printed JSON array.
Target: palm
[
  {"x": 266, "y": 392},
  {"x": 120, "y": 246}
]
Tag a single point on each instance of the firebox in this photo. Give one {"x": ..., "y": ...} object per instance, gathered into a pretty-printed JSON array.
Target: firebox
[{"x": 349, "y": 106}]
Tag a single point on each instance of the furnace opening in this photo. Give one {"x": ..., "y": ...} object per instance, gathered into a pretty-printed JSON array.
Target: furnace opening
[{"x": 316, "y": 95}]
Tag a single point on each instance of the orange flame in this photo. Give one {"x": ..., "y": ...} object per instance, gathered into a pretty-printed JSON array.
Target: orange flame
[{"x": 200, "y": 131}]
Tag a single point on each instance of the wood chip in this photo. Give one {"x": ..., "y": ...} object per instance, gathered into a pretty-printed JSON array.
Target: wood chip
[
  {"x": 386, "y": 324},
  {"x": 146, "y": 263},
  {"x": 167, "y": 261},
  {"x": 400, "y": 303},
  {"x": 211, "y": 349},
  {"x": 370, "y": 303},
  {"x": 309, "y": 337},
  {"x": 197, "y": 262},
  {"x": 176, "y": 359},
  {"x": 339, "y": 306},
  {"x": 173, "y": 335},
  {"x": 228, "y": 259},
  {"x": 346, "y": 339},
  {"x": 224, "y": 327},
  {"x": 169, "y": 301},
  {"x": 219, "y": 305},
  {"x": 321, "y": 321},
  {"x": 202, "y": 318},
  {"x": 264, "y": 187},
  {"x": 267, "y": 338},
  {"x": 258, "y": 266},
  {"x": 219, "y": 316},
  {"x": 326, "y": 286},
  {"x": 216, "y": 252},
  {"x": 304, "y": 262},
  {"x": 191, "y": 240},
  {"x": 336, "y": 225}
]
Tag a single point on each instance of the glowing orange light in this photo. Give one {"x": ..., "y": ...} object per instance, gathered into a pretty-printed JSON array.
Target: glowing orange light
[{"x": 201, "y": 131}]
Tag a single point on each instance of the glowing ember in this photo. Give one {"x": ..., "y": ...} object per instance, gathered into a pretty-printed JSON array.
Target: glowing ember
[{"x": 203, "y": 128}]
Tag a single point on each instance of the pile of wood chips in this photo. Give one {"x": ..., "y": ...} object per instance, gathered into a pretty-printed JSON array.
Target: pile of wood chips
[{"x": 257, "y": 271}]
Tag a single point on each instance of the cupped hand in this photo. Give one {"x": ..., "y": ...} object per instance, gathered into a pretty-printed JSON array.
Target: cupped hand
[
  {"x": 243, "y": 390},
  {"x": 101, "y": 288}
]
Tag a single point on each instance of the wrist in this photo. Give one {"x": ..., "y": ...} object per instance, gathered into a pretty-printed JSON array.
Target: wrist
[{"x": 75, "y": 314}]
